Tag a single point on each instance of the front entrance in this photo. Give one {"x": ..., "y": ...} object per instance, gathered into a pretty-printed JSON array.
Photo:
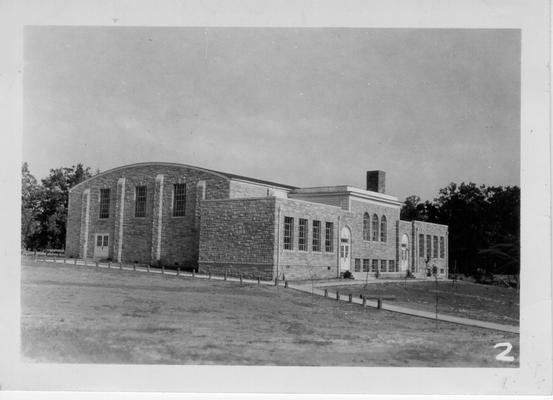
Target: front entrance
[
  {"x": 101, "y": 247},
  {"x": 345, "y": 253},
  {"x": 404, "y": 253}
]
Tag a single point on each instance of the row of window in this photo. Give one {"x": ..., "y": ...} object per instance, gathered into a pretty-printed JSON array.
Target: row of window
[
  {"x": 179, "y": 201},
  {"x": 375, "y": 229},
  {"x": 303, "y": 228},
  {"x": 372, "y": 265},
  {"x": 432, "y": 248}
]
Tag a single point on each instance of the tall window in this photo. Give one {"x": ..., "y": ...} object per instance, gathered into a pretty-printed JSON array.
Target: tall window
[
  {"x": 383, "y": 229},
  {"x": 329, "y": 237},
  {"x": 366, "y": 264},
  {"x": 302, "y": 235},
  {"x": 288, "y": 233},
  {"x": 104, "y": 203},
  {"x": 435, "y": 247},
  {"x": 357, "y": 265},
  {"x": 316, "y": 235},
  {"x": 366, "y": 227},
  {"x": 383, "y": 266},
  {"x": 375, "y": 227},
  {"x": 442, "y": 247},
  {"x": 374, "y": 266},
  {"x": 140, "y": 202},
  {"x": 179, "y": 200},
  {"x": 392, "y": 266},
  {"x": 421, "y": 245},
  {"x": 428, "y": 246}
]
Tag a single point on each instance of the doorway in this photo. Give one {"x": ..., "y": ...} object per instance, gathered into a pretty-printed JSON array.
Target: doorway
[
  {"x": 101, "y": 247},
  {"x": 345, "y": 251},
  {"x": 404, "y": 253}
]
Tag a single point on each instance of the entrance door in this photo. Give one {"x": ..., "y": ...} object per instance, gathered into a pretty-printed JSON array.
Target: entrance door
[
  {"x": 404, "y": 253},
  {"x": 345, "y": 253},
  {"x": 101, "y": 248}
]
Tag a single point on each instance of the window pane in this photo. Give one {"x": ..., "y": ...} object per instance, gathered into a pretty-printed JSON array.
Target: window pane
[
  {"x": 392, "y": 265},
  {"x": 383, "y": 229},
  {"x": 428, "y": 246},
  {"x": 104, "y": 203},
  {"x": 106, "y": 240},
  {"x": 316, "y": 236},
  {"x": 442, "y": 247},
  {"x": 179, "y": 199},
  {"x": 366, "y": 264},
  {"x": 140, "y": 203},
  {"x": 435, "y": 247},
  {"x": 366, "y": 227},
  {"x": 329, "y": 237},
  {"x": 357, "y": 265},
  {"x": 374, "y": 266},
  {"x": 383, "y": 265},
  {"x": 375, "y": 227},
  {"x": 288, "y": 233},
  {"x": 99, "y": 240},
  {"x": 421, "y": 246},
  {"x": 302, "y": 235}
]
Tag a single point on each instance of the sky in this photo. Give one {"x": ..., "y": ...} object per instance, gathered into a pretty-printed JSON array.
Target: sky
[{"x": 299, "y": 106}]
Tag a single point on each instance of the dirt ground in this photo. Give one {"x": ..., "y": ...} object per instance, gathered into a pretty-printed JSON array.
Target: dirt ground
[
  {"x": 465, "y": 299},
  {"x": 81, "y": 314}
]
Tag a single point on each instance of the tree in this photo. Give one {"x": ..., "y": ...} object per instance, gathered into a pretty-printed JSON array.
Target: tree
[
  {"x": 30, "y": 206},
  {"x": 50, "y": 215}
]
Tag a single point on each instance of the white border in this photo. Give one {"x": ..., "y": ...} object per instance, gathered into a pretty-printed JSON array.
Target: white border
[{"x": 532, "y": 16}]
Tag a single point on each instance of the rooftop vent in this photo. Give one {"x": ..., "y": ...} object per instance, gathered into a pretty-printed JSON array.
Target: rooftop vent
[{"x": 376, "y": 181}]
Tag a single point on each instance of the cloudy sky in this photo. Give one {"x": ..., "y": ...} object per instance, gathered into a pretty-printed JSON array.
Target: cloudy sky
[{"x": 305, "y": 107}]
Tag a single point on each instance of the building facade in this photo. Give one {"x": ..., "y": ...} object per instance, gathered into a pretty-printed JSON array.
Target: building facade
[{"x": 183, "y": 216}]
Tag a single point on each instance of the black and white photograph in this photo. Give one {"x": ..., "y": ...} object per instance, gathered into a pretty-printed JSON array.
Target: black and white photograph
[{"x": 210, "y": 195}]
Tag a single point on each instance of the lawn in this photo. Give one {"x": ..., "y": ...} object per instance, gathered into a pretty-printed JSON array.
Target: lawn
[
  {"x": 465, "y": 299},
  {"x": 82, "y": 314}
]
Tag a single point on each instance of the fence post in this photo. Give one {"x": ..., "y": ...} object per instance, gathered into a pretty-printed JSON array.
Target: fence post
[
  {"x": 120, "y": 265},
  {"x": 209, "y": 274},
  {"x": 258, "y": 280},
  {"x": 64, "y": 260},
  {"x": 286, "y": 284},
  {"x": 75, "y": 261},
  {"x": 379, "y": 303},
  {"x": 178, "y": 271},
  {"x": 162, "y": 270},
  {"x": 276, "y": 281},
  {"x": 96, "y": 264},
  {"x": 109, "y": 264},
  {"x": 240, "y": 278},
  {"x": 134, "y": 267},
  {"x": 54, "y": 258},
  {"x": 35, "y": 255},
  {"x": 225, "y": 274},
  {"x": 364, "y": 301},
  {"x": 350, "y": 298},
  {"x": 326, "y": 292},
  {"x": 337, "y": 295},
  {"x": 148, "y": 267}
]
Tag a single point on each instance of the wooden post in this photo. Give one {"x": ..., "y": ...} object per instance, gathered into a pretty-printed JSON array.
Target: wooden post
[
  {"x": 337, "y": 295},
  {"x": 364, "y": 301},
  {"x": 134, "y": 267},
  {"x": 326, "y": 292},
  {"x": 120, "y": 265},
  {"x": 193, "y": 273},
  {"x": 240, "y": 278},
  {"x": 379, "y": 303},
  {"x": 276, "y": 281},
  {"x": 109, "y": 264},
  {"x": 54, "y": 258},
  {"x": 64, "y": 260},
  {"x": 148, "y": 267},
  {"x": 286, "y": 284},
  {"x": 225, "y": 274},
  {"x": 209, "y": 274},
  {"x": 350, "y": 298},
  {"x": 75, "y": 261},
  {"x": 34, "y": 255},
  {"x": 178, "y": 271},
  {"x": 97, "y": 265},
  {"x": 162, "y": 270},
  {"x": 258, "y": 280}
]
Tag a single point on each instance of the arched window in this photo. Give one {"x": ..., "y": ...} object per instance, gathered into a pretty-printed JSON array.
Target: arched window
[
  {"x": 375, "y": 227},
  {"x": 383, "y": 229},
  {"x": 366, "y": 227}
]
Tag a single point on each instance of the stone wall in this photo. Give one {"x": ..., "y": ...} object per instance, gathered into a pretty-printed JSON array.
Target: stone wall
[
  {"x": 238, "y": 236},
  {"x": 297, "y": 264},
  {"x": 421, "y": 261}
]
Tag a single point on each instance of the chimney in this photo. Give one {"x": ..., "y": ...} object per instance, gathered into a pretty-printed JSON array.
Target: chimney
[{"x": 376, "y": 181}]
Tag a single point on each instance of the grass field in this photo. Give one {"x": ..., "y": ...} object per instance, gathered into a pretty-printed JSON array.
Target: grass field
[
  {"x": 464, "y": 299},
  {"x": 87, "y": 315}
]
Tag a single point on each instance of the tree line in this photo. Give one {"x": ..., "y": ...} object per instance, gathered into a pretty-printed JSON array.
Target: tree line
[
  {"x": 484, "y": 221},
  {"x": 44, "y": 205},
  {"x": 484, "y": 226}
]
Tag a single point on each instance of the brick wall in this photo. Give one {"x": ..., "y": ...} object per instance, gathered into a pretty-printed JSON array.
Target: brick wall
[
  {"x": 240, "y": 189},
  {"x": 422, "y": 260},
  {"x": 179, "y": 235}
]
